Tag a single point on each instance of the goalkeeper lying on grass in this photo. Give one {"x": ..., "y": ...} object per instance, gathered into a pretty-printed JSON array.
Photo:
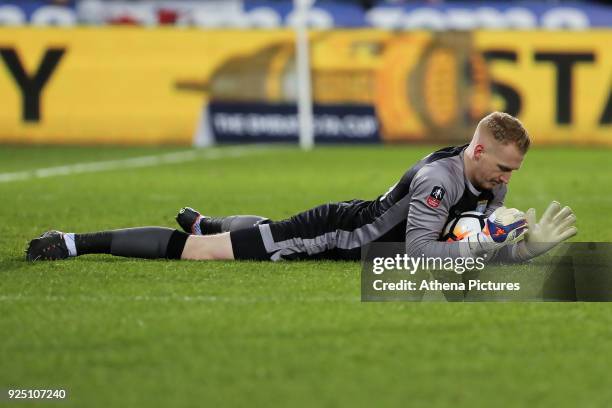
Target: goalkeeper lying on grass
[{"x": 438, "y": 188}]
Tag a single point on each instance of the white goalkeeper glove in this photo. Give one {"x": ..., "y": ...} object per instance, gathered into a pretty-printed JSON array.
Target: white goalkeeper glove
[
  {"x": 505, "y": 226},
  {"x": 555, "y": 226}
]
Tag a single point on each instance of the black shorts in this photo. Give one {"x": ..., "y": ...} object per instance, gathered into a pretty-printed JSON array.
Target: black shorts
[{"x": 335, "y": 231}]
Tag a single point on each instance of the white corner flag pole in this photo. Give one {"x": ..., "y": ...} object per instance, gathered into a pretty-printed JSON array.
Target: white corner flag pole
[{"x": 304, "y": 89}]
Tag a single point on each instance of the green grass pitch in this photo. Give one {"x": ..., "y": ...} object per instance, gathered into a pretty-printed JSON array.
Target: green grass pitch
[{"x": 132, "y": 333}]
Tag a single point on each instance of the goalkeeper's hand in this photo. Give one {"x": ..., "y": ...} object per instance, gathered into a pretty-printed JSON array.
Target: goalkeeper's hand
[
  {"x": 505, "y": 226},
  {"x": 555, "y": 226}
]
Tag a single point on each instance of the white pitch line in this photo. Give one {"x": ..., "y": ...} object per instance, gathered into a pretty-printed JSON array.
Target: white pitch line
[
  {"x": 178, "y": 298},
  {"x": 129, "y": 163}
]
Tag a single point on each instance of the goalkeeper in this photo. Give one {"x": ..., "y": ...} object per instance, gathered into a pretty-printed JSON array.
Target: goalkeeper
[{"x": 441, "y": 186}]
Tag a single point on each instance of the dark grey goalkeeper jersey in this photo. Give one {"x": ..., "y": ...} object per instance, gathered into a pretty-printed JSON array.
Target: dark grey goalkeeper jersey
[
  {"x": 414, "y": 210},
  {"x": 417, "y": 208},
  {"x": 434, "y": 191}
]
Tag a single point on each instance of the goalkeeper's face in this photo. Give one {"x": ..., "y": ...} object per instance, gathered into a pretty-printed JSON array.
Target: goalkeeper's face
[{"x": 495, "y": 163}]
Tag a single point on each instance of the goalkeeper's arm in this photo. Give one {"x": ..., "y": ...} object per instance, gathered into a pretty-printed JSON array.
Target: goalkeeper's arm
[{"x": 426, "y": 219}]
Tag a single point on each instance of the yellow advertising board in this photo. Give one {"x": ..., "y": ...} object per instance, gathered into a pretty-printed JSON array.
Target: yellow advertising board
[
  {"x": 116, "y": 86},
  {"x": 562, "y": 82},
  {"x": 151, "y": 86}
]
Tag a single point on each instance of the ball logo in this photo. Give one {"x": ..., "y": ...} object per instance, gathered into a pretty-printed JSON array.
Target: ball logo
[{"x": 436, "y": 196}]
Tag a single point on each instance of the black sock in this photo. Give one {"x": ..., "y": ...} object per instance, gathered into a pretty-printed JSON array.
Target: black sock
[
  {"x": 145, "y": 242},
  {"x": 93, "y": 243},
  {"x": 217, "y": 225}
]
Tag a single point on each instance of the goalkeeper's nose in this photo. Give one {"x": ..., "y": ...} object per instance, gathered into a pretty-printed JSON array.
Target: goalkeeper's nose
[{"x": 505, "y": 177}]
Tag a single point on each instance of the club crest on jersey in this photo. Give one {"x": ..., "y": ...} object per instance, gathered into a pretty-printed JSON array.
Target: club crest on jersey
[{"x": 436, "y": 196}]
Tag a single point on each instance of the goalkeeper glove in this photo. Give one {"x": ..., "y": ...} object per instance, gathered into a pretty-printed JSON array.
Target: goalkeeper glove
[
  {"x": 505, "y": 226},
  {"x": 555, "y": 226}
]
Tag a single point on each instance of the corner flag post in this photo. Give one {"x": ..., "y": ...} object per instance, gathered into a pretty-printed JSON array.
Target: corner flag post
[{"x": 304, "y": 94}]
